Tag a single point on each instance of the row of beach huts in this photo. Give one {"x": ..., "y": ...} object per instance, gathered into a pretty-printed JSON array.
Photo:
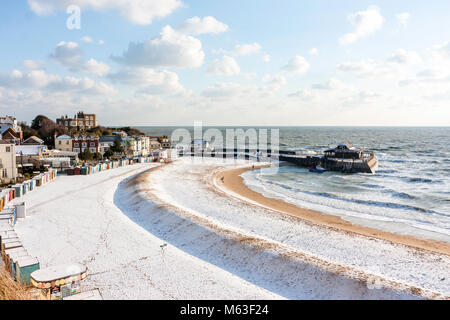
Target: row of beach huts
[
  {"x": 16, "y": 258},
  {"x": 91, "y": 169}
]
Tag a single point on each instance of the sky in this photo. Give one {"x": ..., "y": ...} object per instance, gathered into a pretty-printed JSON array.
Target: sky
[{"x": 238, "y": 63}]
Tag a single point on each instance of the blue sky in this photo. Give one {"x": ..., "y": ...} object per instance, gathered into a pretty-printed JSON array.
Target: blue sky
[{"x": 373, "y": 63}]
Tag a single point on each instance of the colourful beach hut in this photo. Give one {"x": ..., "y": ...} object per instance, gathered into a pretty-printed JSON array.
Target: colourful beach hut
[
  {"x": 6, "y": 219},
  {"x": 10, "y": 253},
  {"x": 76, "y": 171},
  {"x": 84, "y": 171},
  {"x": 6, "y": 234},
  {"x": 59, "y": 282},
  {"x": 9, "y": 212},
  {"x": 8, "y": 245},
  {"x": 13, "y": 257},
  {"x": 25, "y": 266},
  {"x": 19, "y": 190}
]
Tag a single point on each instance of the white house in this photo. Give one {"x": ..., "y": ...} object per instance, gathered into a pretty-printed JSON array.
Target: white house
[
  {"x": 8, "y": 168},
  {"x": 199, "y": 145}
]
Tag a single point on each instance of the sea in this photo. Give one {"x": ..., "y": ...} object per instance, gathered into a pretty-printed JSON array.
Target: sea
[{"x": 409, "y": 194}]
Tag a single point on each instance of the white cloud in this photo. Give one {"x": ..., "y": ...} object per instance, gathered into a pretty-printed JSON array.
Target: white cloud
[
  {"x": 94, "y": 67},
  {"x": 314, "y": 51},
  {"x": 304, "y": 94},
  {"x": 227, "y": 66},
  {"x": 230, "y": 90},
  {"x": 69, "y": 54},
  {"x": 297, "y": 65},
  {"x": 138, "y": 11},
  {"x": 246, "y": 49},
  {"x": 364, "y": 23},
  {"x": 171, "y": 49},
  {"x": 266, "y": 58},
  {"x": 403, "y": 18},
  {"x": 331, "y": 84},
  {"x": 397, "y": 63},
  {"x": 402, "y": 56},
  {"x": 443, "y": 49},
  {"x": 149, "y": 80},
  {"x": 87, "y": 39},
  {"x": 31, "y": 64},
  {"x": 277, "y": 81},
  {"x": 196, "y": 25},
  {"x": 39, "y": 79},
  {"x": 362, "y": 68}
]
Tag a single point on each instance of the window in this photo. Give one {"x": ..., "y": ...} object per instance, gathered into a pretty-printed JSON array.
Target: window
[
  {"x": 8, "y": 149},
  {"x": 84, "y": 144},
  {"x": 76, "y": 145},
  {"x": 92, "y": 144},
  {"x": 59, "y": 142},
  {"x": 67, "y": 142}
]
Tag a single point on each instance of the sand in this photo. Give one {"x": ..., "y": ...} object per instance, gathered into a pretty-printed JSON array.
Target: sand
[{"x": 232, "y": 180}]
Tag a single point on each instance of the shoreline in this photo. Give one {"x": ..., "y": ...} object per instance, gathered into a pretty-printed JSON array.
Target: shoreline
[{"x": 232, "y": 181}]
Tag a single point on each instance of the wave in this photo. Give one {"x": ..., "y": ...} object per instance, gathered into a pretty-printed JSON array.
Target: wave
[{"x": 380, "y": 204}]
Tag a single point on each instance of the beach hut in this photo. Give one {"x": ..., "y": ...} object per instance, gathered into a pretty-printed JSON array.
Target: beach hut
[
  {"x": 59, "y": 282},
  {"x": 21, "y": 210},
  {"x": 6, "y": 218},
  {"x": 7, "y": 234},
  {"x": 12, "y": 258},
  {"x": 10, "y": 244},
  {"x": 76, "y": 171},
  {"x": 3, "y": 199},
  {"x": 12, "y": 194},
  {"x": 84, "y": 170},
  {"x": 36, "y": 181},
  {"x": 24, "y": 188},
  {"x": 11, "y": 253},
  {"x": 19, "y": 190},
  {"x": 25, "y": 266},
  {"x": 9, "y": 212}
]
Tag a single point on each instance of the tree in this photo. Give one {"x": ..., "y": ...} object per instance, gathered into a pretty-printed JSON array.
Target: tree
[
  {"x": 46, "y": 129},
  {"x": 117, "y": 146},
  {"x": 27, "y": 131},
  {"x": 97, "y": 156},
  {"x": 86, "y": 155},
  {"x": 108, "y": 154}
]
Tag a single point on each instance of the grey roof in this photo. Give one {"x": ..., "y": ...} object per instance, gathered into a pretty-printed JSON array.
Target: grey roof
[{"x": 110, "y": 138}]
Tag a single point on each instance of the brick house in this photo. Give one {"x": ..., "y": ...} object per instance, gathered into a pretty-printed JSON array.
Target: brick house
[{"x": 82, "y": 142}]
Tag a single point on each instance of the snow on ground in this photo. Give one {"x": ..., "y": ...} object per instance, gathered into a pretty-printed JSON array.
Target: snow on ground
[
  {"x": 74, "y": 219},
  {"x": 116, "y": 230},
  {"x": 180, "y": 186}
]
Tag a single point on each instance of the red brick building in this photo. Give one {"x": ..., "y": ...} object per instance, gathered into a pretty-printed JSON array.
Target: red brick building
[{"x": 83, "y": 142}]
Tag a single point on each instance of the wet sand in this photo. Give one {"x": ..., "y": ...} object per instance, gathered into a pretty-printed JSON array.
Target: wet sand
[{"x": 231, "y": 180}]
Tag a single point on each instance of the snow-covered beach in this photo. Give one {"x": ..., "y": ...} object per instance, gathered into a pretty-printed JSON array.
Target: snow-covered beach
[{"x": 218, "y": 246}]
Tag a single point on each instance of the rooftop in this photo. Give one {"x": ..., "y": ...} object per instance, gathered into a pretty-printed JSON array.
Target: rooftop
[{"x": 64, "y": 136}]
